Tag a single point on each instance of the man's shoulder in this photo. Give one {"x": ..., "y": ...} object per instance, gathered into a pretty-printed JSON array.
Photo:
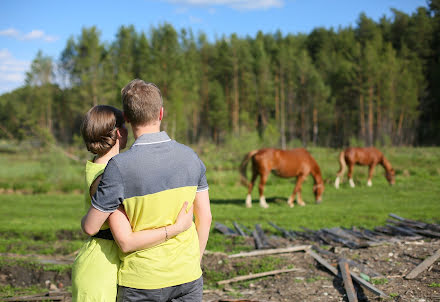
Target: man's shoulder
[{"x": 184, "y": 149}]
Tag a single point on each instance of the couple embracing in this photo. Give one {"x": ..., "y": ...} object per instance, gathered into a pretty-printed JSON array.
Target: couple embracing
[{"x": 147, "y": 197}]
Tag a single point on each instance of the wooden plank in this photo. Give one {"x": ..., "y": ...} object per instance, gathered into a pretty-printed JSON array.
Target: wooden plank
[
  {"x": 259, "y": 275},
  {"x": 35, "y": 298},
  {"x": 291, "y": 249},
  {"x": 285, "y": 233},
  {"x": 368, "y": 285},
  {"x": 358, "y": 279},
  {"x": 324, "y": 263},
  {"x": 224, "y": 229},
  {"x": 348, "y": 284},
  {"x": 239, "y": 230},
  {"x": 258, "y": 242},
  {"x": 423, "y": 266},
  {"x": 262, "y": 236}
]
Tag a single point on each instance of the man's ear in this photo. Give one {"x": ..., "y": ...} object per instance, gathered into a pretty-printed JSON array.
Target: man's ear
[
  {"x": 161, "y": 114},
  {"x": 125, "y": 118}
]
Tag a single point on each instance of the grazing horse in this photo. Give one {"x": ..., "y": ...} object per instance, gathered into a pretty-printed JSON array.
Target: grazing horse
[
  {"x": 364, "y": 157},
  {"x": 284, "y": 163}
]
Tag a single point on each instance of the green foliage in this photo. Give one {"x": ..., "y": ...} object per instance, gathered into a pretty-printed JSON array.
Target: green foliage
[{"x": 371, "y": 84}]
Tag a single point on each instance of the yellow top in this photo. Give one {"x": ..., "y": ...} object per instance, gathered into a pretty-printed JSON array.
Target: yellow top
[
  {"x": 178, "y": 258},
  {"x": 93, "y": 171}
]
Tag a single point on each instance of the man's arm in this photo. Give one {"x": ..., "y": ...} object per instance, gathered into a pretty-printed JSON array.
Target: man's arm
[{"x": 203, "y": 218}]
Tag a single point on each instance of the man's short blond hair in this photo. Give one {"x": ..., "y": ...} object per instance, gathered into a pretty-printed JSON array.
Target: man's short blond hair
[{"x": 141, "y": 102}]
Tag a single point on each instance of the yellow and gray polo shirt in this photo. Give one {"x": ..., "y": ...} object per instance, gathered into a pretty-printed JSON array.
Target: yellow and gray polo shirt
[{"x": 152, "y": 180}]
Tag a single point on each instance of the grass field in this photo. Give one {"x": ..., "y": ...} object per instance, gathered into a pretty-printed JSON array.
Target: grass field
[
  {"x": 41, "y": 199},
  {"x": 48, "y": 222}
]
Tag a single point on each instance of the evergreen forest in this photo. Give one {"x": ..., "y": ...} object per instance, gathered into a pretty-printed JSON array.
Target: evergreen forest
[{"x": 377, "y": 83}]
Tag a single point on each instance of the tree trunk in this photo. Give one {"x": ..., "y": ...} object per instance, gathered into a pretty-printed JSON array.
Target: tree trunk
[
  {"x": 236, "y": 103},
  {"x": 362, "y": 117},
  {"x": 282, "y": 112},
  {"x": 370, "y": 116},
  {"x": 315, "y": 126}
]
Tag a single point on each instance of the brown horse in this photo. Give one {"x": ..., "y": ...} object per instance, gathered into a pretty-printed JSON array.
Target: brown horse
[
  {"x": 284, "y": 163},
  {"x": 364, "y": 157}
]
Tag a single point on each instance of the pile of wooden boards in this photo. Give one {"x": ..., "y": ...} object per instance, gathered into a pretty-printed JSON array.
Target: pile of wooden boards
[{"x": 397, "y": 229}]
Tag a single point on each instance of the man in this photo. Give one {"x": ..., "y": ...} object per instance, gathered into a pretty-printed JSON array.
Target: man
[{"x": 152, "y": 180}]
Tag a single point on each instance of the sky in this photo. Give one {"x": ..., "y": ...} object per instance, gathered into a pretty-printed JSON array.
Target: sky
[{"x": 27, "y": 26}]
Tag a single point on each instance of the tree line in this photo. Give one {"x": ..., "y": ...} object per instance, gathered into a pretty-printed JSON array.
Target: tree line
[{"x": 372, "y": 84}]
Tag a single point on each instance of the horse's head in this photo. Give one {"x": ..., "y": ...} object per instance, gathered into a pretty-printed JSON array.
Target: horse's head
[
  {"x": 318, "y": 189},
  {"x": 390, "y": 176}
]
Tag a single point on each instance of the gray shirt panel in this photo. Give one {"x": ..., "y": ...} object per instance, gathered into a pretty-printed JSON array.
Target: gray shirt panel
[
  {"x": 110, "y": 192},
  {"x": 153, "y": 164}
]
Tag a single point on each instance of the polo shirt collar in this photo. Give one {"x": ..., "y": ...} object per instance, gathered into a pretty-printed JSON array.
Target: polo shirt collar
[{"x": 152, "y": 138}]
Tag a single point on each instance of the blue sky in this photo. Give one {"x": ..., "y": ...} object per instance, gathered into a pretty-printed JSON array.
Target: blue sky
[{"x": 27, "y": 26}]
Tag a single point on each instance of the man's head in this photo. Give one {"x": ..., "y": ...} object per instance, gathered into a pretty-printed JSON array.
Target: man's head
[{"x": 142, "y": 103}]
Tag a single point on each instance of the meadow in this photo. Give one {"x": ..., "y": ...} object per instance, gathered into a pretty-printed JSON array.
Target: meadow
[{"x": 42, "y": 198}]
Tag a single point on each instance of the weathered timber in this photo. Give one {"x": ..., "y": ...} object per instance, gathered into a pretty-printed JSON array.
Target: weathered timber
[
  {"x": 291, "y": 249},
  {"x": 368, "y": 285},
  {"x": 239, "y": 230},
  {"x": 50, "y": 296},
  {"x": 323, "y": 262},
  {"x": 286, "y": 234},
  {"x": 263, "y": 237},
  {"x": 358, "y": 279},
  {"x": 348, "y": 284},
  {"x": 404, "y": 231},
  {"x": 338, "y": 239},
  {"x": 423, "y": 266},
  {"x": 224, "y": 229},
  {"x": 259, "y": 275},
  {"x": 422, "y": 225},
  {"x": 258, "y": 242},
  {"x": 362, "y": 268}
]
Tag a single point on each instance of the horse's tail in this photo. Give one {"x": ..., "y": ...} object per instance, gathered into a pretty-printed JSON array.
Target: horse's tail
[
  {"x": 243, "y": 167},
  {"x": 342, "y": 168}
]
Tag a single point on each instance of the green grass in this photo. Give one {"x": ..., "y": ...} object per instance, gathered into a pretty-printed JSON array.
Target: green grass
[{"x": 49, "y": 222}]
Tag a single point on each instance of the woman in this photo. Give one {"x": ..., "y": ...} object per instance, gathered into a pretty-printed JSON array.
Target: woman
[{"x": 94, "y": 272}]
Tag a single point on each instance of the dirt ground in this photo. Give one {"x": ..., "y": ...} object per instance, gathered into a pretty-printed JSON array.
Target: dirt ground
[
  {"x": 315, "y": 283},
  {"x": 310, "y": 283}
]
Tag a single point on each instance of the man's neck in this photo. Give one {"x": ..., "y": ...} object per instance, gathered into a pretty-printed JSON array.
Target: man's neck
[{"x": 141, "y": 130}]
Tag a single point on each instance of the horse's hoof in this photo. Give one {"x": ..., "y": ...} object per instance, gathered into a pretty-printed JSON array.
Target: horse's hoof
[
  {"x": 248, "y": 206},
  {"x": 319, "y": 201},
  {"x": 264, "y": 205},
  {"x": 291, "y": 205},
  {"x": 302, "y": 204}
]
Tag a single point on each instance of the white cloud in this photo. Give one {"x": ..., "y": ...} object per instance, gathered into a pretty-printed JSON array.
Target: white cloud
[
  {"x": 195, "y": 20},
  {"x": 12, "y": 71},
  {"x": 235, "y": 4},
  {"x": 34, "y": 34}
]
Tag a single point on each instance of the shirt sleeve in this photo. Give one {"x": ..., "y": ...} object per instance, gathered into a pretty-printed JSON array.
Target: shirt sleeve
[
  {"x": 203, "y": 182},
  {"x": 110, "y": 192}
]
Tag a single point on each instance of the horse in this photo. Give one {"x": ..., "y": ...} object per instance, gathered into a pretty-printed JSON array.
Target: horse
[
  {"x": 284, "y": 163},
  {"x": 370, "y": 157}
]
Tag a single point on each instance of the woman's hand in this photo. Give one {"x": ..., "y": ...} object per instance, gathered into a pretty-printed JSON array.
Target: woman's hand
[{"x": 185, "y": 218}]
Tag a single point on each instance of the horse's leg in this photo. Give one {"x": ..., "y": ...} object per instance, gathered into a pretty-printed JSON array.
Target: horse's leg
[
  {"x": 350, "y": 174},
  {"x": 370, "y": 174},
  {"x": 263, "y": 178},
  {"x": 297, "y": 192},
  {"x": 251, "y": 186}
]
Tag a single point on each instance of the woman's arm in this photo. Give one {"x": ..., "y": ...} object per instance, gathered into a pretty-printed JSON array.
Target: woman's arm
[
  {"x": 202, "y": 213},
  {"x": 129, "y": 241}
]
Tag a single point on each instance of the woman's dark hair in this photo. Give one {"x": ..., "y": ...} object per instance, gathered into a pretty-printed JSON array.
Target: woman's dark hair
[{"x": 99, "y": 127}]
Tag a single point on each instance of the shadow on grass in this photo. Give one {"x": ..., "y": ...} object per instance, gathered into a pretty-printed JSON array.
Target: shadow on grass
[{"x": 240, "y": 202}]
